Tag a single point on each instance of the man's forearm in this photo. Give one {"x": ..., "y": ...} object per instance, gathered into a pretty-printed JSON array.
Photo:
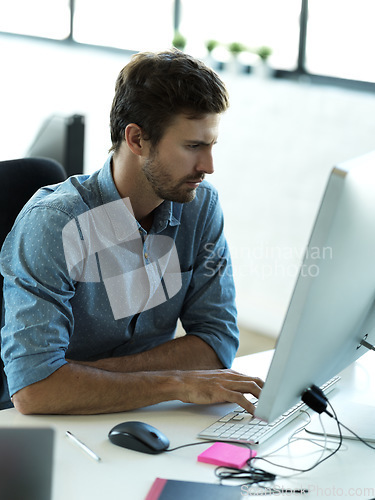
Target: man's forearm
[
  {"x": 184, "y": 353},
  {"x": 77, "y": 389}
]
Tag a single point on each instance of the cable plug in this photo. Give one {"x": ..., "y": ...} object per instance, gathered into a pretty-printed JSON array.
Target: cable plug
[{"x": 315, "y": 399}]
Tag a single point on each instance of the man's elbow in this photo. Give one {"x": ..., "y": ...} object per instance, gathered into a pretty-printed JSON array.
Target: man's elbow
[
  {"x": 21, "y": 402},
  {"x": 24, "y": 402},
  {"x": 31, "y": 400},
  {"x": 42, "y": 397}
]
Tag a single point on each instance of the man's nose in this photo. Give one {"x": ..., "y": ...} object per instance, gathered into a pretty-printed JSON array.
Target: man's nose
[{"x": 206, "y": 162}]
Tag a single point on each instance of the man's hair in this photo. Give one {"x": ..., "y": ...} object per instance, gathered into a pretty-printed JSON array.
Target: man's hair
[{"x": 154, "y": 87}]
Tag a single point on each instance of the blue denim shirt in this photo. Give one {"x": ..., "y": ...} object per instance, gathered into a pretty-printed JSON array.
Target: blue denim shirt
[{"x": 50, "y": 315}]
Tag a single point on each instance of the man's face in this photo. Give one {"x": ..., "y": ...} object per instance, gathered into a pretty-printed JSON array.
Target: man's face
[{"x": 183, "y": 156}]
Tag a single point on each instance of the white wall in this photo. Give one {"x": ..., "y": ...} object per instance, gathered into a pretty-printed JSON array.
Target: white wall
[
  {"x": 279, "y": 142},
  {"x": 39, "y": 79}
]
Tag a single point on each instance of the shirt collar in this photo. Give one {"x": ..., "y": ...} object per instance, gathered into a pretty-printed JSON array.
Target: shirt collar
[
  {"x": 168, "y": 213},
  {"x": 120, "y": 214},
  {"x": 107, "y": 188}
]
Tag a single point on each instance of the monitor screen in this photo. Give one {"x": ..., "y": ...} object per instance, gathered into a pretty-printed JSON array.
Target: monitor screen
[
  {"x": 332, "y": 306},
  {"x": 62, "y": 138}
]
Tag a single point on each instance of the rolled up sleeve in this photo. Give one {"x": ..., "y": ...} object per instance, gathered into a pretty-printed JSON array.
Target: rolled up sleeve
[{"x": 37, "y": 289}]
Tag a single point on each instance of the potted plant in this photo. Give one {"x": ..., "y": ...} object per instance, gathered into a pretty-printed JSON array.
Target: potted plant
[
  {"x": 262, "y": 68},
  {"x": 235, "y": 49},
  {"x": 179, "y": 41},
  {"x": 211, "y": 45},
  {"x": 264, "y": 52}
]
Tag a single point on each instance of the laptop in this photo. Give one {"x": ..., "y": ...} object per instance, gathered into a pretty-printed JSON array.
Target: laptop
[{"x": 26, "y": 460}]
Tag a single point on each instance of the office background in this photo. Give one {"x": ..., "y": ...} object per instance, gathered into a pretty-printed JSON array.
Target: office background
[{"x": 281, "y": 136}]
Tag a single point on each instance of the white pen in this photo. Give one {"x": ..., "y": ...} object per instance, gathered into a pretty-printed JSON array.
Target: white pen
[{"x": 83, "y": 446}]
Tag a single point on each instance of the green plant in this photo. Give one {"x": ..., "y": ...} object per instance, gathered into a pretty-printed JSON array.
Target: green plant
[
  {"x": 263, "y": 52},
  {"x": 179, "y": 41},
  {"x": 211, "y": 45},
  {"x": 236, "y": 48}
]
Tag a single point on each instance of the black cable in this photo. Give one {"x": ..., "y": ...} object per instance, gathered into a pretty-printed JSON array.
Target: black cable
[
  {"x": 317, "y": 401},
  {"x": 253, "y": 475},
  {"x": 367, "y": 344},
  {"x": 192, "y": 444},
  {"x": 313, "y": 466},
  {"x": 340, "y": 424}
]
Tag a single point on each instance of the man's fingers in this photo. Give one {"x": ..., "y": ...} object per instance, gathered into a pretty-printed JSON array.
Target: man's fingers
[
  {"x": 235, "y": 393},
  {"x": 258, "y": 380},
  {"x": 243, "y": 387},
  {"x": 220, "y": 386},
  {"x": 242, "y": 401},
  {"x": 242, "y": 383},
  {"x": 236, "y": 376}
]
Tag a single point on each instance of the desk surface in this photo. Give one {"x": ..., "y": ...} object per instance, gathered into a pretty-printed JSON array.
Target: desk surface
[{"x": 128, "y": 474}]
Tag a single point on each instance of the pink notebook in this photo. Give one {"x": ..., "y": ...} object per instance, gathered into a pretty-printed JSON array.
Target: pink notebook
[{"x": 226, "y": 454}]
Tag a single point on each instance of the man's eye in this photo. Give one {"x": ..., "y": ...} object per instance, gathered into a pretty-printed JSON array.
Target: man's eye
[{"x": 193, "y": 146}]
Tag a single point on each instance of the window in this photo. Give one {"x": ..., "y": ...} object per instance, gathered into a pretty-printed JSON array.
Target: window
[
  {"x": 341, "y": 39},
  {"x": 337, "y": 41},
  {"x": 44, "y": 18},
  {"x": 253, "y": 23},
  {"x": 133, "y": 25}
]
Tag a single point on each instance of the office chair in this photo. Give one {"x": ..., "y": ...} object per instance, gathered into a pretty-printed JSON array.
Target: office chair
[{"x": 19, "y": 180}]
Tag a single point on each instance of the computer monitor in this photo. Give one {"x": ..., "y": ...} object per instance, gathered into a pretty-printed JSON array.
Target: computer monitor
[
  {"x": 332, "y": 307},
  {"x": 62, "y": 138}
]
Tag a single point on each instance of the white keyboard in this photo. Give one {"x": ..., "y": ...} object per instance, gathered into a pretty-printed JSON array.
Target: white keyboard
[{"x": 241, "y": 427}]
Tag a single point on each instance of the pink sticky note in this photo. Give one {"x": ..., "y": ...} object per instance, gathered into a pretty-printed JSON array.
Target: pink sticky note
[{"x": 226, "y": 454}]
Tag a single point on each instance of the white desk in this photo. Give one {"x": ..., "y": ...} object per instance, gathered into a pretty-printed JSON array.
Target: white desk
[{"x": 128, "y": 474}]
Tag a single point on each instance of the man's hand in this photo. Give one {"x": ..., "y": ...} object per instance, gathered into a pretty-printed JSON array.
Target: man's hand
[{"x": 219, "y": 386}]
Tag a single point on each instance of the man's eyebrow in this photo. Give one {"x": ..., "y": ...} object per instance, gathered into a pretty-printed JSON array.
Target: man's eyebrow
[{"x": 201, "y": 143}]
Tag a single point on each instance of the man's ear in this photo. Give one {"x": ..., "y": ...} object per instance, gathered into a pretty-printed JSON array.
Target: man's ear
[{"x": 134, "y": 139}]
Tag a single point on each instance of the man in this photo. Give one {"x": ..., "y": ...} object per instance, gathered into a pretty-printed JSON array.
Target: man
[{"x": 97, "y": 270}]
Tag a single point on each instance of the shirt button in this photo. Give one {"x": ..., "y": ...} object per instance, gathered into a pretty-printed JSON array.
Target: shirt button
[{"x": 146, "y": 255}]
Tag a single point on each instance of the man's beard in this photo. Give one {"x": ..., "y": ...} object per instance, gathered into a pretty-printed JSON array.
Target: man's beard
[{"x": 164, "y": 186}]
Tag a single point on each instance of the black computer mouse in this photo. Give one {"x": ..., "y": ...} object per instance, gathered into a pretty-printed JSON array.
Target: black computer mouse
[{"x": 139, "y": 436}]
